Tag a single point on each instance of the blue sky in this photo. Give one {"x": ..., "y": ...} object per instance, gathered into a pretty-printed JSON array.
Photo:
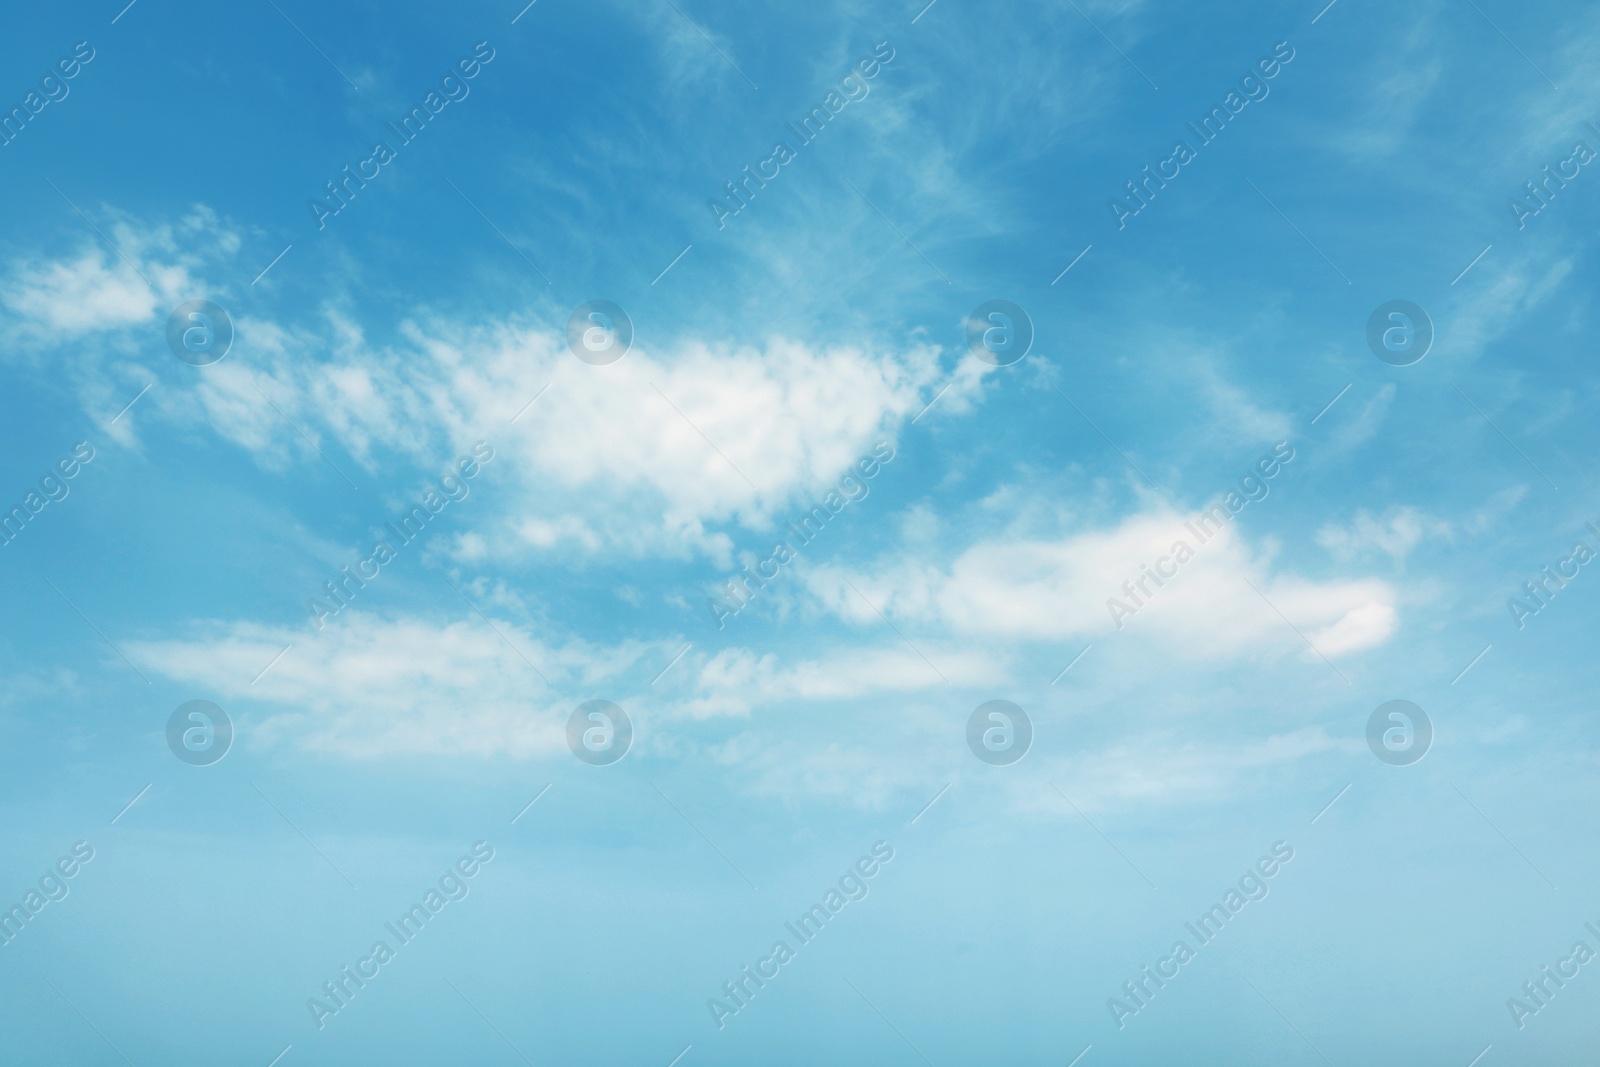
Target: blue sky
[{"x": 775, "y": 351}]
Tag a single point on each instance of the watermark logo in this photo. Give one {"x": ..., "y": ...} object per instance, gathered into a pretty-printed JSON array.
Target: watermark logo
[
  {"x": 1252, "y": 88},
  {"x": 599, "y": 732},
  {"x": 1542, "y": 988},
  {"x": 999, "y": 332},
  {"x": 999, "y": 733},
  {"x": 1535, "y": 198},
  {"x": 1550, "y": 581},
  {"x": 1399, "y": 333},
  {"x": 53, "y": 487},
  {"x": 52, "y": 887},
  {"x": 199, "y": 733},
  {"x": 1399, "y": 733},
  {"x": 409, "y": 527},
  {"x": 451, "y": 886},
  {"x": 599, "y": 332},
  {"x": 741, "y": 589},
  {"x": 453, "y": 87},
  {"x": 199, "y": 332},
  {"x": 52, "y": 90},
  {"x": 1138, "y": 992},
  {"x": 852, "y": 89},
  {"x": 1254, "y": 486}
]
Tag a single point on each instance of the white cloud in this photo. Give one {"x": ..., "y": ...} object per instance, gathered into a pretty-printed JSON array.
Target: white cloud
[
  {"x": 1236, "y": 411},
  {"x": 865, "y": 726},
  {"x": 1396, "y": 534},
  {"x": 1151, "y": 770},
  {"x": 861, "y": 775},
  {"x": 1494, "y": 511},
  {"x": 1164, "y": 769},
  {"x": 734, "y": 681},
  {"x": 370, "y": 686},
  {"x": 693, "y": 51},
  {"x": 1051, "y": 590},
  {"x": 644, "y": 455},
  {"x": 96, "y": 289},
  {"x": 1395, "y": 94},
  {"x": 1491, "y": 311},
  {"x": 1365, "y": 425}
]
